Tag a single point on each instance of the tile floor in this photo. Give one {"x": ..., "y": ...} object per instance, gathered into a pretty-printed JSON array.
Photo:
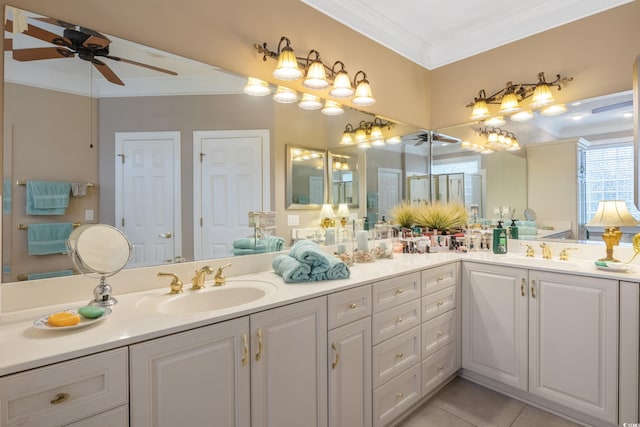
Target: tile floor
[{"x": 465, "y": 404}]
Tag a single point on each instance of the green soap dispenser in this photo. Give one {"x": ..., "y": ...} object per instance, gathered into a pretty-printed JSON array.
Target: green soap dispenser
[
  {"x": 513, "y": 229},
  {"x": 499, "y": 239}
]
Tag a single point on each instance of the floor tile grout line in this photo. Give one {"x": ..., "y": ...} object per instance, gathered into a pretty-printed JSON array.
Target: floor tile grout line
[
  {"x": 457, "y": 416},
  {"x": 519, "y": 413}
]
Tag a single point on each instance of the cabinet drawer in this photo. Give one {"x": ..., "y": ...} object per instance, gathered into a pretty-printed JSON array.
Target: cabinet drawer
[
  {"x": 438, "y": 303},
  {"x": 395, "y": 355},
  {"x": 396, "y": 396},
  {"x": 437, "y": 278},
  {"x": 392, "y": 292},
  {"x": 348, "y": 306},
  {"x": 438, "y": 367},
  {"x": 118, "y": 417},
  {"x": 391, "y": 322},
  {"x": 438, "y": 332},
  {"x": 65, "y": 392}
]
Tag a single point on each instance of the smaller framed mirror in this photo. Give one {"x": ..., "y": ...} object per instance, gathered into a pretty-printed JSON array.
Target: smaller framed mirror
[
  {"x": 344, "y": 177},
  {"x": 306, "y": 178}
]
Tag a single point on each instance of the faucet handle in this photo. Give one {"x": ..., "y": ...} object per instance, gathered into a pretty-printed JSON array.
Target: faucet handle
[
  {"x": 546, "y": 250},
  {"x": 529, "y": 252},
  {"x": 564, "y": 253},
  {"x": 176, "y": 283},
  {"x": 219, "y": 278}
]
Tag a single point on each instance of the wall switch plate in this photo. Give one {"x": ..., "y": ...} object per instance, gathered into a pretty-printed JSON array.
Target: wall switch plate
[
  {"x": 88, "y": 215},
  {"x": 293, "y": 219}
]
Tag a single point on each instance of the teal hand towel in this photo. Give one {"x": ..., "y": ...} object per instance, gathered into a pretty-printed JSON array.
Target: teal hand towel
[
  {"x": 47, "y": 197},
  {"x": 524, "y": 230},
  {"x": 240, "y": 251},
  {"x": 291, "y": 270},
  {"x": 249, "y": 243},
  {"x": 48, "y": 238},
  {"x": 6, "y": 196},
  {"x": 310, "y": 253},
  {"x": 49, "y": 274},
  {"x": 338, "y": 269}
]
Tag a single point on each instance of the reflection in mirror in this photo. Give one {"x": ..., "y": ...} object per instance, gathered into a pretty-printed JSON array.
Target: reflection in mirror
[
  {"x": 344, "y": 176},
  {"x": 306, "y": 172}
]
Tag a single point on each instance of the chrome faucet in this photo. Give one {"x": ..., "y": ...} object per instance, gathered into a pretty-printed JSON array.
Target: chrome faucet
[
  {"x": 219, "y": 278},
  {"x": 198, "y": 280},
  {"x": 546, "y": 250}
]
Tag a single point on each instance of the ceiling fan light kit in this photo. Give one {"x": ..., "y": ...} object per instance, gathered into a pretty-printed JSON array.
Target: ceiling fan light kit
[{"x": 75, "y": 41}]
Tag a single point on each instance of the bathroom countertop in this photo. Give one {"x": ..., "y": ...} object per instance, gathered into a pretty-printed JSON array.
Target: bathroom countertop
[{"x": 31, "y": 347}]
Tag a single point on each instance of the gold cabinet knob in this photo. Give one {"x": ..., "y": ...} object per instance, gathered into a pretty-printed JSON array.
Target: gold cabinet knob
[
  {"x": 399, "y": 291},
  {"x": 399, "y": 355},
  {"x": 353, "y": 305}
]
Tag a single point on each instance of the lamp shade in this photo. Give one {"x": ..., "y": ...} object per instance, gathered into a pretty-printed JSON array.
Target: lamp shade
[
  {"x": 346, "y": 139},
  {"x": 343, "y": 210},
  {"x": 480, "y": 110},
  {"x": 613, "y": 213},
  {"x": 509, "y": 103},
  {"x": 316, "y": 76},
  {"x": 363, "y": 96},
  {"x": 542, "y": 96},
  {"x": 285, "y": 95},
  {"x": 287, "y": 68},
  {"x": 327, "y": 211},
  {"x": 256, "y": 87},
  {"x": 332, "y": 108},
  {"x": 310, "y": 102},
  {"x": 341, "y": 85}
]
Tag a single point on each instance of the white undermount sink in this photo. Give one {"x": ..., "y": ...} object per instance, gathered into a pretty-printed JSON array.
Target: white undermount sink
[{"x": 209, "y": 298}]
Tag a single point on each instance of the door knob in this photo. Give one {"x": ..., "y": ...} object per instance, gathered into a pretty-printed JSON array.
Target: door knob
[{"x": 166, "y": 235}]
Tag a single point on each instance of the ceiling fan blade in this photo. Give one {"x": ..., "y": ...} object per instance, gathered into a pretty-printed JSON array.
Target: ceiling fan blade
[
  {"x": 107, "y": 72},
  {"x": 54, "y": 21},
  {"x": 612, "y": 107},
  {"x": 140, "y": 64},
  {"x": 8, "y": 44},
  {"x": 40, "y": 34},
  {"x": 33, "y": 54},
  {"x": 96, "y": 42}
]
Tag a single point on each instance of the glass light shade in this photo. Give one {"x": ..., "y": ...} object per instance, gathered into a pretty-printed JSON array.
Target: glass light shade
[
  {"x": 394, "y": 140},
  {"x": 332, "y": 108},
  {"x": 363, "y": 96},
  {"x": 522, "y": 116},
  {"x": 613, "y": 213},
  {"x": 509, "y": 104},
  {"x": 285, "y": 95},
  {"x": 554, "y": 110},
  {"x": 493, "y": 137},
  {"x": 515, "y": 146},
  {"x": 287, "y": 68},
  {"x": 346, "y": 139},
  {"x": 343, "y": 210},
  {"x": 377, "y": 142},
  {"x": 376, "y": 133},
  {"x": 542, "y": 96},
  {"x": 310, "y": 102},
  {"x": 480, "y": 110},
  {"x": 256, "y": 87},
  {"x": 364, "y": 144},
  {"x": 361, "y": 135},
  {"x": 495, "y": 121},
  {"x": 341, "y": 85},
  {"x": 316, "y": 76},
  {"x": 327, "y": 211}
]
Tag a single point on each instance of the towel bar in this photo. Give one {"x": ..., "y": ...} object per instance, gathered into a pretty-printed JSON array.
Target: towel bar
[
  {"x": 24, "y": 226},
  {"x": 24, "y": 182}
]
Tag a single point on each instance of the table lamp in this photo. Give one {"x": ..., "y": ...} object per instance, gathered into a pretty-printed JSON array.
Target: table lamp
[
  {"x": 612, "y": 214},
  {"x": 343, "y": 213},
  {"x": 327, "y": 217}
]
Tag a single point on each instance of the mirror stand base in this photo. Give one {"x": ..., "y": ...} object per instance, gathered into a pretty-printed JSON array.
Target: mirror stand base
[{"x": 102, "y": 295}]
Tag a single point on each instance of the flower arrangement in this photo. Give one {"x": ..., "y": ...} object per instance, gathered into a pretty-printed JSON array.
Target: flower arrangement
[
  {"x": 403, "y": 214},
  {"x": 436, "y": 215}
]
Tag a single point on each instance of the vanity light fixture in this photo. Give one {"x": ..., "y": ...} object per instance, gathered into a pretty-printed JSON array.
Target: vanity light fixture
[
  {"x": 368, "y": 134},
  {"x": 510, "y": 97},
  {"x": 612, "y": 214},
  {"x": 520, "y": 116},
  {"x": 496, "y": 139},
  {"x": 347, "y": 138},
  {"x": 284, "y": 95},
  {"x": 495, "y": 121},
  {"x": 310, "y": 102},
  {"x": 393, "y": 140},
  {"x": 317, "y": 74},
  {"x": 332, "y": 108},
  {"x": 256, "y": 87}
]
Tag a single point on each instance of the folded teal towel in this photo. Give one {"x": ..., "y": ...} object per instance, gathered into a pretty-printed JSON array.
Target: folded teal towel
[
  {"x": 48, "y": 238},
  {"x": 310, "y": 253},
  {"x": 291, "y": 270},
  {"x": 6, "y": 196},
  {"x": 47, "y": 197},
  {"x": 337, "y": 269},
  {"x": 239, "y": 251},
  {"x": 522, "y": 230},
  {"x": 49, "y": 274},
  {"x": 269, "y": 244}
]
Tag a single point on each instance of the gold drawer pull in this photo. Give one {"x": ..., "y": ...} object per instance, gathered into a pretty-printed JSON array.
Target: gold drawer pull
[
  {"x": 440, "y": 367},
  {"x": 399, "y": 291},
  {"x": 259, "y": 353},
  {"x": 439, "y": 333},
  {"x": 245, "y": 354},
  {"x": 522, "y": 285},
  {"x": 533, "y": 289},
  {"x": 440, "y": 303},
  {"x": 353, "y": 305},
  {"x": 440, "y": 279},
  {"x": 399, "y": 395},
  {"x": 60, "y": 397},
  {"x": 399, "y": 320},
  {"x": 399, "y": 355},
  {"x": 337, "y": 359}
]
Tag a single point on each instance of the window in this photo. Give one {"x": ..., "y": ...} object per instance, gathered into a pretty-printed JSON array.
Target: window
[{"x": 609, "y": 176}]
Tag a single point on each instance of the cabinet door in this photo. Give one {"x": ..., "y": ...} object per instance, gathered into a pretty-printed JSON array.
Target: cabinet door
[
  {"x": 289, "y": 365},
  {"x": 573, "y": 342},
  {"x": 195, "y": 377},
  {"x": 350, "y": 375},
  {"x": 494, "y": 332}
]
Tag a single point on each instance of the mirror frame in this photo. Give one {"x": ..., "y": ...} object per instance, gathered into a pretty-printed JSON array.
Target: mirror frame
[{"x": 289, "y": 203}]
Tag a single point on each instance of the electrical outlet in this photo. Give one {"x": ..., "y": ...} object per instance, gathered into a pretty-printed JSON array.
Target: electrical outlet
[
  {"x": 88, "y": 215},
  {"x": 293, "y": 219}
]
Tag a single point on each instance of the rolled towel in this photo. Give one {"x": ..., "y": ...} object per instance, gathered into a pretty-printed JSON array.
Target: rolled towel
[
  {"x": 291, "y": 270},
  {"x": 310, "y": 253},
  {"x": 337, "y": 269},
  {"x": 274, "y": 243}
]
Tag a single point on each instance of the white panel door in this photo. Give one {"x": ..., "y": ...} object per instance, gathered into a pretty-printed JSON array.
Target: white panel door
[
  {"x": 494, "y": 323},
  {"x": 147, "y": 199},
  {"x": 573, "y": 337},
  {"x": 231, "y": 178},
  {"x": 389, "y": 190}
]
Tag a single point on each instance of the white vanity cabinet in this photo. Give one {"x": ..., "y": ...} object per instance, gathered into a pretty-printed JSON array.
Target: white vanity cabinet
[
  {"x": 349, "y": 361},
  {"x": 199, "y": 375},
  {"x": 552, "y": 335},
  {"x": 76, "y": 392},
  {"x": 289, "y": 365}
]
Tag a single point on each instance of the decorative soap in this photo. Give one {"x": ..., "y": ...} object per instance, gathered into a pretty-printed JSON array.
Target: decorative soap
[
  {"x": 91, "y": 312},
  {"x": 63, "y": 318}
]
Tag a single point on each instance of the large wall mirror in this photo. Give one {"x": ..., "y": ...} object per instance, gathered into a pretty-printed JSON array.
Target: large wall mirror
[{"x": 306, "y": 177}]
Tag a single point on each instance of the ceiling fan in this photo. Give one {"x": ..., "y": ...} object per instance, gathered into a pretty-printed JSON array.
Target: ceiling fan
[
  {"x": 434, "y": 136},
  {"x": 86, "y": 44}
]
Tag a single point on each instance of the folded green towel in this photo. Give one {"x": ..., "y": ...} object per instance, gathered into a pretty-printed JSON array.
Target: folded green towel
[
  {"x": 291, "y": 270},
  {"x": 310, "y": 253}
]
